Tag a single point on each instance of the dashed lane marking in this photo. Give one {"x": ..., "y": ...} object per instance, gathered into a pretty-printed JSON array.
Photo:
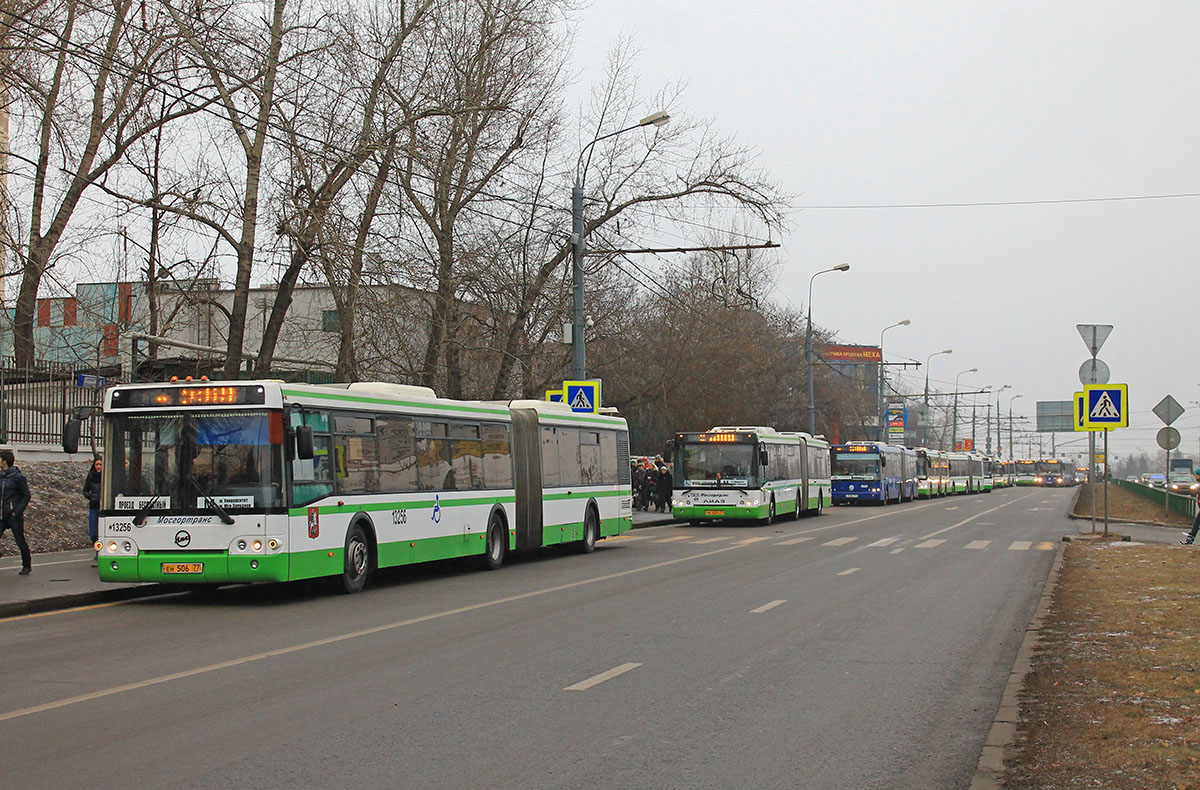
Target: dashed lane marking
[
  {"x": 929, "y": 544},
  {"x": 1020, "y": 545},
  {"x": 594, "y": 680},
  {"x": 675, "y": 538},
  {"x": 748, "y": 541},
  {"x": 766, "y": 607},
  {"x": 711, "y": 540},
  {"x": 839, "y": 541},
  {"x": 792, "y": 542},
  {"x": 978, "y": 544},
  {"x": 848, "y": 571}
]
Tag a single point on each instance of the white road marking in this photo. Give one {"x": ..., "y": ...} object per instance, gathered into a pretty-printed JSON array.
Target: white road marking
[
  {"x": 1046, "y": 546},
  {"x": 748, "y": 541},
  {"x": 969, "y": 519},
  {"x": 594, "y": 680},
  {"x": 978, "y": 544},
  {"x": 1020, "y": 545},
  {"x": 839, "y": 541},
  {"x": 955, "y": 507},
  {"x": 712, "y": 540},
  {"x": 677, "y": 537},
  {"x": 766, "y": 606},
  {"x": 792, "y": 542},
  {"x": 882, "y": 542},
  {"x": 896, "y": 551},
  {"x": 929, "y": 544},
  {"x": 848, "y": 571}
]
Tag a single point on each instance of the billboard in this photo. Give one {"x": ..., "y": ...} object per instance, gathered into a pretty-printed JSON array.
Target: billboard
[
  {"x": 1055, "y": 415},
  {"x": 839, "y": 353}
]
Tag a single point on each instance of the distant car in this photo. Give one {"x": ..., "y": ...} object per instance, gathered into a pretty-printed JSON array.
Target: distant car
[
  {"x": 1131, "y": 478},
  {"x": 1157, "y": 481}
]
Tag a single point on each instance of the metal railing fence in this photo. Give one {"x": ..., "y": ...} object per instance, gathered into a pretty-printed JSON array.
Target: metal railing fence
[
  {"x": 36, "y": 399},
  {"x": 1183, "y": 504}
]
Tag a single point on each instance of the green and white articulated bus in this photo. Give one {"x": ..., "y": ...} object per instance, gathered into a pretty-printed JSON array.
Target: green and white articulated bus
[
  {"x": 749, "y": 474},
  {"x": 246, "y": 481}
]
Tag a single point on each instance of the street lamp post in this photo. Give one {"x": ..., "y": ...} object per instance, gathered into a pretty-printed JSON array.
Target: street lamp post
[
  {"x": 925, "y": 412},
  {"x": 808, "y": 352},
  {"x": 579, "y": 358},
  {"x": 989, "y": 440},
  {"x": 882, "y": 413},
  {"x": 1010, "y": 439},
  {"x": 973, "y": 394},
  {"x": 954, "y": 426}
]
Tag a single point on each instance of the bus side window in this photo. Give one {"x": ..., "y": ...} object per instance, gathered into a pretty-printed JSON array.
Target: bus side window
[
  {"x": 568, "y": 457},
  {"x": 550, "y": 475},
  {"x": 497, "y": 456}
]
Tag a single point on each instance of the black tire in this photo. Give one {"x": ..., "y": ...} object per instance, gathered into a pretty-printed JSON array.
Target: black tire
[
  {"x": 799, "y": 510},
  {"x": 591, "y": 532},
  {"x": 497, "y": 546},
  {"x": 820, "y": 503},
  {"x": 357, "y": 561},
  {"x": 770, "y": 519}
]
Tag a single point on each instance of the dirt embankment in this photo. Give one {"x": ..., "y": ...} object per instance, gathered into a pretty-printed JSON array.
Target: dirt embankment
[
  {"x": 1125, "y": 505},
  {"x": 1113, "y": 698},
  {"x": 56, "y": 519}
]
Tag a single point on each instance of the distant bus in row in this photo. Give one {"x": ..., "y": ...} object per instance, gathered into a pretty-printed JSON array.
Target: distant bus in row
[
  {"x": 881, "y": 472},
  {"x": 749, "y": 473}
]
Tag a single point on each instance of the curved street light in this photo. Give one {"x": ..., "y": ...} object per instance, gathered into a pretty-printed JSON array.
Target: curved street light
[
  {"x": 812, "y": 407},
  {"x": 579, "y": 358},
  {"x": 1010, "y": 439},
  {"x": 925, "y": 412},
  {"x": 882, "y": 414},
  {"x": 954, "y": 427}
]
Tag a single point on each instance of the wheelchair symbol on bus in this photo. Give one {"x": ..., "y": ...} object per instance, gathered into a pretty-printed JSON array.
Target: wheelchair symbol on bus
[{"x": 437, "y": 509}]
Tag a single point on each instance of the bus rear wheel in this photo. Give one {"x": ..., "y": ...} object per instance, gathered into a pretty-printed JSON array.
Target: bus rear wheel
[
  {"x": 591, "y": 532},
  {"x": 493, "y": 556},
  {"x": 357, "y": 564},
  {"x": 799, "y": 509}
]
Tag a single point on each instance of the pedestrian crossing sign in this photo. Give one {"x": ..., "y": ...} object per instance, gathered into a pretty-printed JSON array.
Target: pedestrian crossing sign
[
  {"x": 554, "y": 396},
  {"x": 1081, "y": 412},
  {"x": 1106, "y": 406},
  {"x": 582, "y": 396}
]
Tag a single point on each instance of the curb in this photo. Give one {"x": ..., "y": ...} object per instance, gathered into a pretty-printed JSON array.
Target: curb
[
  {"x": 38, "y": 605},
  {"x": 989, "y": 773}
]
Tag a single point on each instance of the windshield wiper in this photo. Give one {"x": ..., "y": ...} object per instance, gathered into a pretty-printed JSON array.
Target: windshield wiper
[
  {"x": 222, "y": 512},
  {"x": 145, "y": 509}
]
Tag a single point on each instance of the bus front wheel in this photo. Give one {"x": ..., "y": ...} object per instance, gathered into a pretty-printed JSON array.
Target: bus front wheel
[
  {"x": 357, "y": 565},
  {"x": 770, "y": 513}
]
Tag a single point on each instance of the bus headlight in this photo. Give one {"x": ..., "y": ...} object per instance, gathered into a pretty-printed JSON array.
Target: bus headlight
[{"x": 112, "y": 547}]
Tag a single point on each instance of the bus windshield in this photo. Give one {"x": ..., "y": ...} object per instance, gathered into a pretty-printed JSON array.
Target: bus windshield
[
  {"x": 186, "y": 461},
  {"x": 855, "y": 464},
  {"x": 715, "y": 465}
]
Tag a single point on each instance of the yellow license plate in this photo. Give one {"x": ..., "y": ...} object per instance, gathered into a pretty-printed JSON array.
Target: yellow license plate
[
  {"x": 183, "y": 567},
  {"x": 714, "y": 512}
]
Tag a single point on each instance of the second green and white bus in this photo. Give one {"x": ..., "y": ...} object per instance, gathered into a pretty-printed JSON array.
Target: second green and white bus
[
  {"x": 749, "y": 473},
  {"x": 246, "y": 481}
]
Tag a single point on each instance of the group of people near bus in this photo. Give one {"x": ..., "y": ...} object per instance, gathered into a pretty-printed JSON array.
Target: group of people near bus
[{"x": 652, "y": 483}]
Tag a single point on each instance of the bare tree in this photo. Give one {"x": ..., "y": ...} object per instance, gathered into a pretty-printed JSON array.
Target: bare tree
[{"x": 85, "y": 81}]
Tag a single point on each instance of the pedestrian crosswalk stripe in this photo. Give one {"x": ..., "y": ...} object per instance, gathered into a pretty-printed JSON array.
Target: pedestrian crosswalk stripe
[
  {"x": 748, "y": 541},
  {"x": 848, "y": 571},
  {"x": 712, "y": 540},
  {"x": 1046, "y": 546},
  {"x": 882, "y": 542},
  {"x": 1020, "y": 545},
  {"x": 978, "y": 544},
  {"x": 929, "y": 544},
  {"x": 792, "y": 542},
  {"x": 839, "y": 541}
]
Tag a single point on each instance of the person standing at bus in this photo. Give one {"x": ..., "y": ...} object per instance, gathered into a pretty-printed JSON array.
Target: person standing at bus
[
  {"x": 14, "y": 498},
  {"x": 1190, "y": 537},
  {"x": 91, "y": 492},
  {"x": 662, "y": 490}
]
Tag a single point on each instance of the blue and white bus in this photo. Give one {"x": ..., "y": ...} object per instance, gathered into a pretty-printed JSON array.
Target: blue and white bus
[{"x": 873, "y": 472}]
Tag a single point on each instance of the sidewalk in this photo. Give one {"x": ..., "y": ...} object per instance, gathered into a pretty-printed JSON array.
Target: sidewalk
[{"x": 62, "y": 579}]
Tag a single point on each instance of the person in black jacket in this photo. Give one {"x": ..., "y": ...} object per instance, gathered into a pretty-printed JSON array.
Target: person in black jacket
[
  {"x": 14, "y": 498},
  {"x": 91, "y": 492},
  {"x": 662, "y": 490}
]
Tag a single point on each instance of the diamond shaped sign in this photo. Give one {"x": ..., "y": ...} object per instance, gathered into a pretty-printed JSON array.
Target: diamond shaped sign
[
  {"x": 1168, "y": 410},
  {"x": 1094, "y": 335}
]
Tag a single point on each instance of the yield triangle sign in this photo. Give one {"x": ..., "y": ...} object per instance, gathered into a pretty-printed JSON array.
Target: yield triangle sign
[
  {"x": 1094, "y": 335},
  {"x": 1104, "y": 408}
]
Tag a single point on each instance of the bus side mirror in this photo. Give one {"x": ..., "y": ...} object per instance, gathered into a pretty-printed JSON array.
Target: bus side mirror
[
  {"x": 304, "y": 442},
  {"x": 70, "y": 438},
  {"x": 762, "y": 456}
]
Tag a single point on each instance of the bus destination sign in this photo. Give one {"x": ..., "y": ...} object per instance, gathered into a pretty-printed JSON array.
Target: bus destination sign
[{"x": 188, "y": 396}]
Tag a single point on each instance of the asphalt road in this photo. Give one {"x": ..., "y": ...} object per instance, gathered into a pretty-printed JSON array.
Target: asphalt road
[{"x": 865, "y": 648}]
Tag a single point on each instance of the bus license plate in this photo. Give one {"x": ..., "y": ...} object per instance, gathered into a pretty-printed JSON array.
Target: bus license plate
[
  {"x": 714, "y": 512},
  {"x": 183, "y": 567}
]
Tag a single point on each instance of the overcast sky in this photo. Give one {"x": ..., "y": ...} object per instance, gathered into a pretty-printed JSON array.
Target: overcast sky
[{"x": 964, "y": 101}]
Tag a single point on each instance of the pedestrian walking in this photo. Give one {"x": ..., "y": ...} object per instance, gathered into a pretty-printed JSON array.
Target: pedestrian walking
[
  {"x": 14, "y": 498},
  {"x": 663, "y": 489},
  {"x": 91, "y": 492},
  {"x": 1190, "y": 537}
]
